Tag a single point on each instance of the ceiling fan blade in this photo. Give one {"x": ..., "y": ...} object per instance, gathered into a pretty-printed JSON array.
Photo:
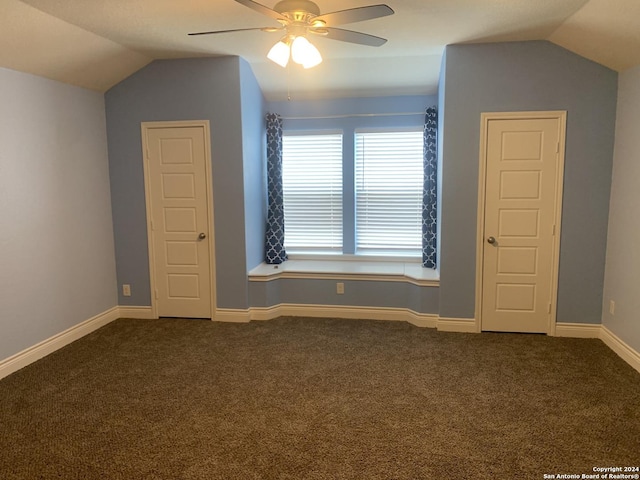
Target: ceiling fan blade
[
  {"x": 353, "y": 15},
  {"x": 261, "y": 9},
  {"x": 263, "y": 29},
  {"x": 352, "y": 37}
]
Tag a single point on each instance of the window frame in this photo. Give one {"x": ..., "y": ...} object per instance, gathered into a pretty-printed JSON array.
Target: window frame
[{"x": 349, "y": 125}]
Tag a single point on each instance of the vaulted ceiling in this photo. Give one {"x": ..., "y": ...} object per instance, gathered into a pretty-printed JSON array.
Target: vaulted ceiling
[{"x": 97, "y": 44}]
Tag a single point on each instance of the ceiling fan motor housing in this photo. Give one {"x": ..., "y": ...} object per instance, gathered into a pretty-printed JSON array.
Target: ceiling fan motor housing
[{"x": 297, "y": 8}]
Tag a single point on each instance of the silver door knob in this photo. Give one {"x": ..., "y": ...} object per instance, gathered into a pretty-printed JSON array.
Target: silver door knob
[
  {"x": 491, "y": 240},
  {"x": 202, "y": 236}
]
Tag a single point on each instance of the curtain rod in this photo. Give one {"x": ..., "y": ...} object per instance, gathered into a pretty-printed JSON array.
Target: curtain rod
[{"x": 356, "y": 115}]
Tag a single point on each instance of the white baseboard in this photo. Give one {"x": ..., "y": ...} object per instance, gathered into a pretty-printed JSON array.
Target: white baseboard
[
  {"x": 265, "y": 313},
  {"x": 460, "y": 325},
  {"x": 50, "y": 345},
  {"x": 328, "y": 311},
  {"x": 231, "y": 315},
  {"x": 578, "y": 330},
  {"x": 422, "y": 320},
  {"x": 344, "y": 311},
  {"x": 611, "y": 340},
  {"x": 136, "y": 312},
  {"x": 624, "y": 351}
]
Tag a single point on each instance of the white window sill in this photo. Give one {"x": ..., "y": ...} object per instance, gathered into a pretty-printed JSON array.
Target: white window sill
[{"x": 347, "y": 270}]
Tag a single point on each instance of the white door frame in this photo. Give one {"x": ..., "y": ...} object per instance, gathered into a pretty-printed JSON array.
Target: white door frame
[
  {"x": 145, "y": 126},
  {"x": 561, "y": 116}
]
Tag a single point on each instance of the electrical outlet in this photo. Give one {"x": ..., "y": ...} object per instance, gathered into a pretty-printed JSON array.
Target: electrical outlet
[
  {"x": 340, "y": 288},
  {"x": 126, "y": 290},
  {"x": 612, "y": 307}
]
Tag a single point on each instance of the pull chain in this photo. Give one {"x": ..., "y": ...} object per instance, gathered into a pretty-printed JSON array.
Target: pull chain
[{"x": 289, "y": 82}]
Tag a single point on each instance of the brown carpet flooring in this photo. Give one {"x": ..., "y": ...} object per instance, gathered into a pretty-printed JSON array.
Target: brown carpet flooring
[{"x": 317, "y": 399}]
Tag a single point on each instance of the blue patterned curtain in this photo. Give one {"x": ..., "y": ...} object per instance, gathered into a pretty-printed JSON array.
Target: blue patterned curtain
[
  {"x": 274, "y": 244},
  {"x": 429, "y": 191}
]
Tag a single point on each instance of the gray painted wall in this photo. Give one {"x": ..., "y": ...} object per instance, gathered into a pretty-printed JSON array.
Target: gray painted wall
[
  {"x": 476, "y": 78},
  {"x": 254, "y": 146},
  {"x": 57, "y": 264},
  {"x": 622, "y": 273},
  {"x": 356, "y": 293},
  {"x": 528, "y": 76},
  {"x": 442, "y": 86},
  {"x": 186, "y": 89}
]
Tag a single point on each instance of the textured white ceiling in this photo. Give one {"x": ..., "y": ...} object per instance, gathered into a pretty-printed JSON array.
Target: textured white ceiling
[
  {"x": 35, "y": 42},
  {"x": 606, "y": 31},
  {"x": 95, "y": 44}
]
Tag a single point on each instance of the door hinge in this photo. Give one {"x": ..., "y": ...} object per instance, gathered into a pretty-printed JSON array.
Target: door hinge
[
  {"x": 156, "y": 292},
  {"x": 152, "y": 227},
  {"x": 549, "y": 308},
  {"x": 557, "y": 147},
  {"x": 554, "y": 230}
]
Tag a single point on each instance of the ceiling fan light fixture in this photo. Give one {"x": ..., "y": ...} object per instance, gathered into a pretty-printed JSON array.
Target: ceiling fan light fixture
[
  {"x": 280, "y": 53},
  {"x": 304, "y": 53},
  {"x": 298, "y": 18},
  {"x": 313, "y": 59}
]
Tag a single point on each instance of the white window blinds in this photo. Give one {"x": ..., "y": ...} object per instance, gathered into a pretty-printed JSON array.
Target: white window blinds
[
  {"x": 389, "y": 181},
  {"x": 312, "y": 186}
]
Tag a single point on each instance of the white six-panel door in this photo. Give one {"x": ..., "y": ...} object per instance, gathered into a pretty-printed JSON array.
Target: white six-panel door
[
  {"x": 178, "y": 203},
  {"x": 519, "y": 237}
]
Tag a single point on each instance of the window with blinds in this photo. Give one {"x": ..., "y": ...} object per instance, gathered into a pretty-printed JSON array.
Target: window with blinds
[
  {"x": 389, "y": 181},
  {"x": 312, "y": 186}
]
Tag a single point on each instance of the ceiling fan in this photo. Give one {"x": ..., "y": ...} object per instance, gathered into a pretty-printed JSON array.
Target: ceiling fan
[{"x": 298, "y": 18}]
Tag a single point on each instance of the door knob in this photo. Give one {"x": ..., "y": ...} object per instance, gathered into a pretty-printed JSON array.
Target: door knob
[
  {"x": 491, "y": 240},
  {"x": 202, "y": 236}
]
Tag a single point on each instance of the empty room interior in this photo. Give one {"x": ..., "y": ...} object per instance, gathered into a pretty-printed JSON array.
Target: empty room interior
[{"x": 319, "y": 240}]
